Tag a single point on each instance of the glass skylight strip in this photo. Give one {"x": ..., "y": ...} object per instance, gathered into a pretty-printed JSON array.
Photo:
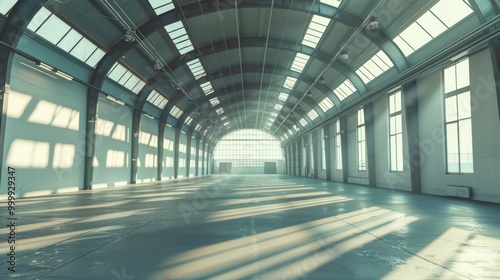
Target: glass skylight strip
[
  {"x": 161, "y": 6},
  {"x": 196, "y": 68},
  {"x": 374, "y": 67},
  {"x": 214, "y": 101},
  {"x": 431, "y": 24},
  {"x": 290, "y": 82},
  {"x": 300, "y": 62},
  {"x": 219, "y": 111},
  {"x": 326, "y": 104},
  {"x": 179, "y": 36},
  {"x": 274, "y": 114},
  {"x": 50, "y": 27},
  {"x": 198, "y": 127},
  {"x": 334, "y": 3},
  {"x": 176, "y": 112},
  {"x": 345, "y": 89},
  {"x": 227, "y": 123},
  {"x": 157, "y": 99},
  {"x": 315, "y": 31},
  {"x": 303, "y": 122},
  {"x": 223, "y": 118},
  {"x": 6, "y": 5},
  {"x": 295, "y": 127},
  {"x": 278, "y": 107},
  {"x": 313, "y": 114},
  {"x": 283, "y": 96},
  {"x": 207, "y": 88},
  {"x": 188, "y": 120}
]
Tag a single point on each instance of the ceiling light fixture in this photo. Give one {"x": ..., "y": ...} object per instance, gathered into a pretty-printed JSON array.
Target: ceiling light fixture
[
  {"x": 129, "y": 36},
  {"x": 157, "y": 65},
  {"x": 344, "y": 55},
  {"x": 373, "y": 24},
  {"x": 321, "y": 80},
  {"x": 309, "y": 94}
]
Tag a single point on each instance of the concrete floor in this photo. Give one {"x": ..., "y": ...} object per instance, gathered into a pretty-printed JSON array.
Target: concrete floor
[{"x": 253, "y": 227}]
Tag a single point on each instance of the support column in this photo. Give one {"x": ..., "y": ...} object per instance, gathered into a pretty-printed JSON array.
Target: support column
[
  {"x": 343, "y": 143},
  {"x": 161, "y": 138},
  {"x": 176, "y": 152},
  {"x": 370, "y": 143},
  {"x": 197, "y": 161},
  {"x": 203, "y": 159},
  {"x": 411, "y": 111},
  {"x": 136, "y": 123},
  {"x": 328, "y": 150},
  {"x": 188, "y": 155}
]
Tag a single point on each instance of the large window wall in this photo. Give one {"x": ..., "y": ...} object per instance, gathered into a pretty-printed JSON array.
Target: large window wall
[{"x": 247, "y": 150}]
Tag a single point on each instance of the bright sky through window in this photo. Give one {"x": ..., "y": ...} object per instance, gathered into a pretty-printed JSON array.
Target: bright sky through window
[
  {"x": 179, "y": 36},
  {"x": 157, "y": 99},
  {"x": 344, "y": 90},
  {"x": 431, "y": 24}
]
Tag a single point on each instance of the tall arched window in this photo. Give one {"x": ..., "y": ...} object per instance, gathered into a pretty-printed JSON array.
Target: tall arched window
[{"x": 248, "y": 151}]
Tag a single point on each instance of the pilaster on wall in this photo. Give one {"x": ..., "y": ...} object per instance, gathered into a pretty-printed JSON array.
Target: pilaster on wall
[
  {"x": 343, "y": 143},
  {"x": 176, "y": 152},
  {"x": 328, "y": 152},
  {"x": 370, "y": 142},
  {"x": 411, "y": 109}
]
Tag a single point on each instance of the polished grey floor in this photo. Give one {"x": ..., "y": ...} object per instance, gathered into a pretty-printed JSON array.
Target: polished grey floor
[{"x": 253, "y": 227}]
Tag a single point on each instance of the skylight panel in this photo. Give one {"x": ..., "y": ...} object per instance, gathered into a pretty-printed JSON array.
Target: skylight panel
[
  {"x": 207, "y": 88},
  {"x": 283, "y": 96},
  {"x": 278, "y": 107},
  {"x": 290, "y": 132},
  {"x": 431, "y": 24},
  {"x": 345, "y": 89},
  {"x": 315, "y": 31},
  {"x": 176, "y": 112},
  {"x": 179, "y": 36},
  {"x": 157, "y": 99},
  {"x": 326, "y": 104},
  {"x": 300, "y": 62},
  {"x": 374, "y": 67},
  {"x": 198, "y": 127},
  {"x": 188, "y": 120},
  {"x": 461, "y": 9},
  {"x": 227, "y": 123},
  {"x": 219, "y": 111},
  {"x": 39, "y": 19},
  {"x": 214, "y": 101},
  {"x": 161, "y": 6},
  {"x": 6, "y": 5},
  {"x": 53, "y": 29},
  {"x": 303, "y": 122},
  {"x": 274, "y": 114},
  {"x": 196, "y": 68},
  {"x": 116, "y": 72},
  {"x": 334, "y": 3},
  {"x": 313, "y": 114},
  {"x": 223, "y": 118},
  {"x": 295, "y": 127},
  {"x": 290, "y": 82}
]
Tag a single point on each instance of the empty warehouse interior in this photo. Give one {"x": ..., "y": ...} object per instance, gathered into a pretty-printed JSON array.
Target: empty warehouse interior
[{"x": 249, "y": 139}]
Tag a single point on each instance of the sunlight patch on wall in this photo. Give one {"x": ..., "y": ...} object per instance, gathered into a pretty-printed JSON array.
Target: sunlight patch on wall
[
  {"x": 17, "y": 104},
  {"x": 48, "y": 113},
  {"x": 168, "y": 144},
  {"x": 169, "y": 162},
  {"x": 150, "y": 160},
  {"x": 103, "y": 127},
  {"x": 67, "y": 189},
  {"x": 64, "y": 155},
  {"x": 120, "y": 133},
  {"x": 28, "y": 154},
  {"x": 115, "y": 159}
]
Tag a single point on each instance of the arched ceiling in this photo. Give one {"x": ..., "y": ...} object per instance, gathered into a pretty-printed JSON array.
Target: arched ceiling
[{"x": 248, "y": 52}]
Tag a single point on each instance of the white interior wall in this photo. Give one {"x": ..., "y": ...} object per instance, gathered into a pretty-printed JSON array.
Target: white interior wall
[{"x": 44, "y": 134}]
